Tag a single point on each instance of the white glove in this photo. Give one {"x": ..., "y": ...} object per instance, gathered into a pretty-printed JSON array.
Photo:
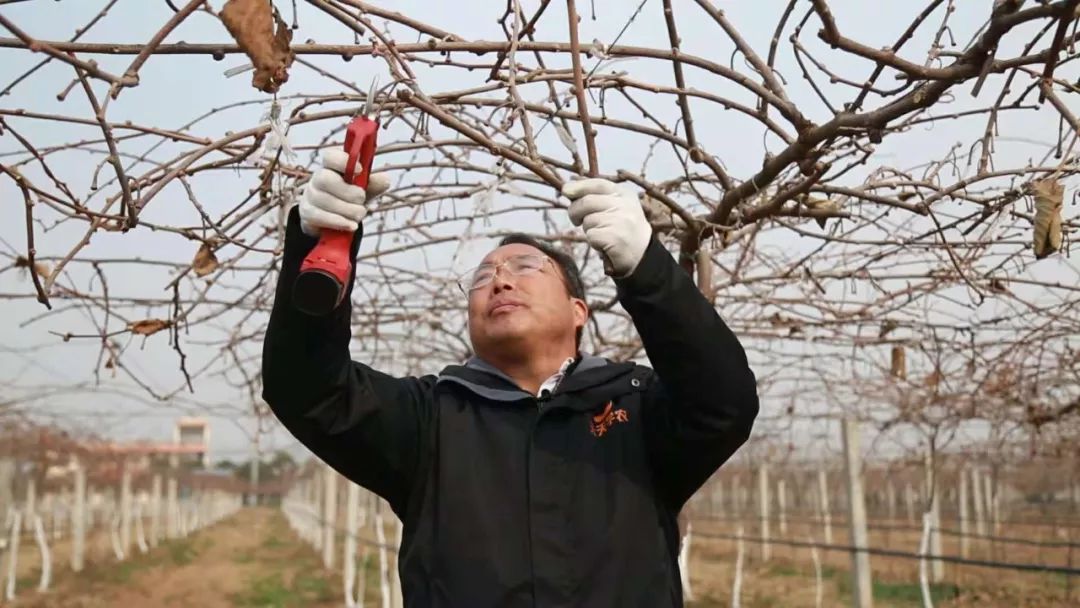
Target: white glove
[
  {"x": 613, "y": 220},
  {"x": 330, "y": 202}
]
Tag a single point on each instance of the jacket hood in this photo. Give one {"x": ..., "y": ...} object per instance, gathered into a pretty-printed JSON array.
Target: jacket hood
[{"x": 487, "y": 381}]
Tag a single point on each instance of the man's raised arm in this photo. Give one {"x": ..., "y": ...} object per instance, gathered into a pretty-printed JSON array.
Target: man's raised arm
[
  {"x": 368, "y": 425},
  {"x": 703, "y": 406}
]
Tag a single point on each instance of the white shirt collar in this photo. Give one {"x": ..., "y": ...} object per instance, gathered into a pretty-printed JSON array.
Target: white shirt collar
[{"x": 551, "y": 383}]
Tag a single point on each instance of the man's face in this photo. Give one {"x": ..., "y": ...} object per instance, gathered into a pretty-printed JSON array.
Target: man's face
[{"x": 514, "y": 314}]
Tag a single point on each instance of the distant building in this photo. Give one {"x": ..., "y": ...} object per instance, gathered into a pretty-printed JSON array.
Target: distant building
[{"x": 192, "y": 438}]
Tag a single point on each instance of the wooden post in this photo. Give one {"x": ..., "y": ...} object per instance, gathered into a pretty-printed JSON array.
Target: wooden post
[
  {"x": 962, "y": 511},
  {"x": 78, "y": 518},
  {"x": 862, "y": 592},
  {"x": 823, "y": 500},
  {"x": 329, "y": 515},
  {"x": 763, "y": 506}
]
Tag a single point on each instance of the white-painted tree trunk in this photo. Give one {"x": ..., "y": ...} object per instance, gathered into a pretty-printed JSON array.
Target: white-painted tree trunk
[
  {"x": 46, "y": 555},
  {"x": 384, "y": 561},
  {"x": 125, "y": 509},
  {"x": 823, "y": 505},
  {"x": 13, "y": 555},
  {"x": 31, "y": 507},
  {"x": 352, "y": 518},
  {"x": 172, "y": 508},
  {"x": 155, "y": 511},
  {"x": 924, "y": 544},
  {"x": 736, "y": 584},
  {"x": 329, "y": 515},
  {"x": 819, "y": 586},
  {"x": 78, "y": 519},
  {"x": 977, "y": 500},
  {"x": 932, "y": 491},
  {"x": 962, "y": 511},
  {"x": 763, "y": 506},
  {"x": 684, "y": 563},
  {"x": 395, "y": 577},
  {"x": 114, "y": 535},
  {"x": 140, "y": 531},
  {"x": 909, "y": 502},
  {"x": 781, "y": 505},
  {"x": 361, "y": 576}
]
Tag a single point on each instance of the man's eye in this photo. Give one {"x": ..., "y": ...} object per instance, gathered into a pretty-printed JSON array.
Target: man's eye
[{"x": 523, "y": 264}]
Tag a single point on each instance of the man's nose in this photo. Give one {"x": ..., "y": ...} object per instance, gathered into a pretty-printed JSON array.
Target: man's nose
[{"x": 501, "y": 280}]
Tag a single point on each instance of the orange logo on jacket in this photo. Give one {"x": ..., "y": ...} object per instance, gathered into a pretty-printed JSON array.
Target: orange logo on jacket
[{"x": 603, "y": 421}]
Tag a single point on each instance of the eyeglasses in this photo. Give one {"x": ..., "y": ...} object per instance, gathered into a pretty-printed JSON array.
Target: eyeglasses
[{"x": 483, "y": 274}]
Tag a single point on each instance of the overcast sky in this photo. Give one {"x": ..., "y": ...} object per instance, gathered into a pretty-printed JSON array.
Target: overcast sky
[{"x": 175, "y": 90}]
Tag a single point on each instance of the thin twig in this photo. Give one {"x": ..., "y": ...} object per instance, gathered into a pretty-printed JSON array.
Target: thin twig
[
  {"x": 579, "y": 90},
  {"x": 66, "y": 57},
  {"x": 127, "y": 207}
]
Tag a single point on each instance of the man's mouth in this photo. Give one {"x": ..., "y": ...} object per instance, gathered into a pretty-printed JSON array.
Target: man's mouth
[{"x": 505, "y": 307}]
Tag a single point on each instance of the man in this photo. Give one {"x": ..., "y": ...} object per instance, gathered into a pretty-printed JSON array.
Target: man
[{"x": 532, "y": 475}]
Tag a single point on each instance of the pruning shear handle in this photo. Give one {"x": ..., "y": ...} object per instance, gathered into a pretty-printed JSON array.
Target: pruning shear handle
[{"x": 325, "y": 272}]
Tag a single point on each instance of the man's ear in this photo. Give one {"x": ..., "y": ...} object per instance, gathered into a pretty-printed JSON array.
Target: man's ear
[{"x": 581, "y": 312}]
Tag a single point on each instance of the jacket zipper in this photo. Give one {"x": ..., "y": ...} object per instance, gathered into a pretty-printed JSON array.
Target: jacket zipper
[{"x": 542, "y": 400}]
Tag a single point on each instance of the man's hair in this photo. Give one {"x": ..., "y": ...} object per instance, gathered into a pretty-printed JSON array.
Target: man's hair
[{"x": 565, "y": 263}]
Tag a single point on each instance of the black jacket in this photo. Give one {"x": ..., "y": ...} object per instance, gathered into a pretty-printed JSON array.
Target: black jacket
[{"x": 512, "y": 500}]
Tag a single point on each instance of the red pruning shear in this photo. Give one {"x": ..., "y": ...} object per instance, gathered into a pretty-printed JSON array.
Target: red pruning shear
[{"x": 324, "y": 273}]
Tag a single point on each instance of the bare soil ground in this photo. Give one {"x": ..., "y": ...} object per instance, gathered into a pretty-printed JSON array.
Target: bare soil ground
[
  {"x": 250, "y": 559},
  {"x": 253, "y": 559},
  {"x": 788, "y": 577}
]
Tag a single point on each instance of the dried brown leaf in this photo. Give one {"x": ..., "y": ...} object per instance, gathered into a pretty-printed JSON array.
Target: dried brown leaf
[
  {"x": 821, "y": 204},
  {"x": 205, "y": 261},
  {"x": 41, "y": 269},
  {"x": 934, "y": 378},
  {"x": 148, "y": 327},
  {"x": 660, "y": 216},
  {"x": 252, "y": 24},
  {"x": 1048, "y": 195},
  {"x": 886, "y": 327},
  {"x": 899, "y": 362}
]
